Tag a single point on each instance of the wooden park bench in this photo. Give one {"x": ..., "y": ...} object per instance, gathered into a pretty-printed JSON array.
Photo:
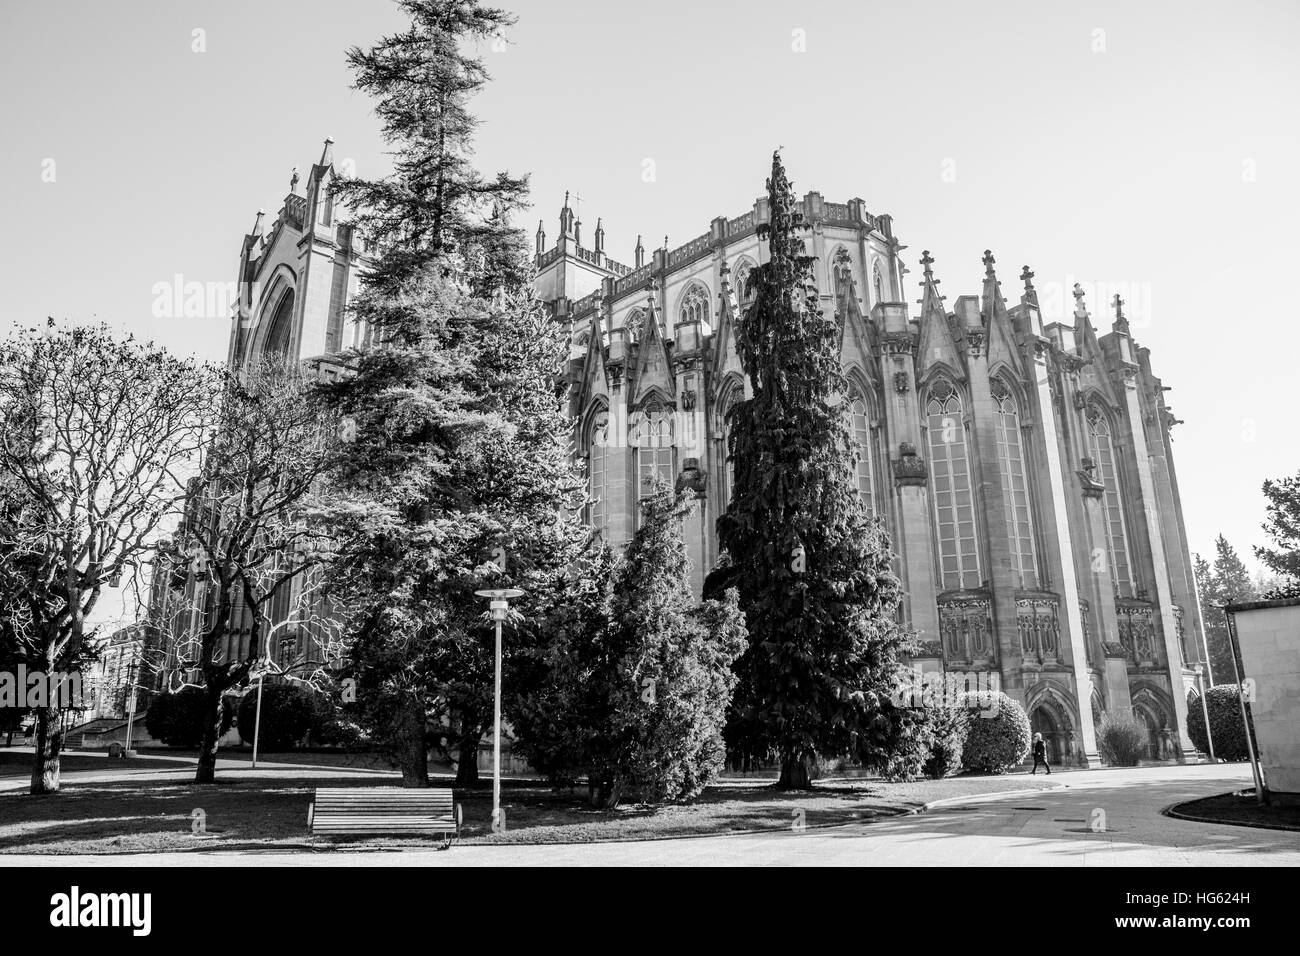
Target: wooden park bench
[{"x": 375, "y": 810}]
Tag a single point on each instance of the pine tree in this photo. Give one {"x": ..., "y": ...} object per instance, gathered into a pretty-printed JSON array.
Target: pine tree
[
  {"x": 1225, "y": 582},
  {"x": 459, "y": 477},
  {"x": 630, "y": 679},
  {"x": 812, "y": 568},
  {"x": 1283, "y": 527}
]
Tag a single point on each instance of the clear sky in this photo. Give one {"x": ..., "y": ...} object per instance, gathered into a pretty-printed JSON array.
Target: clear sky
[{"x": 1151, "y": 147}]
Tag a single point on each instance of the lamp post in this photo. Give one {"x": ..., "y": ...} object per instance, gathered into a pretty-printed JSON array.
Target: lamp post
[
  {"x": 1205, "y": 710},
  {"x": 1234, "y": 650},
  {"x": 500, "y": 602}
]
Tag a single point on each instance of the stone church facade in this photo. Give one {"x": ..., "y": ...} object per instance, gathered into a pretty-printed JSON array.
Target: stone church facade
[{"x": 1024, "y": 470}]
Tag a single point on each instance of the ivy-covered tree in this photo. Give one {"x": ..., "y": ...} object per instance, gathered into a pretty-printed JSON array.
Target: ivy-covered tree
[
  {"x": 1225, "y": 582},
  {"x": 632, "y": 678},
  {"x": 812, "y": 567},
  {"x": 460, "y": 476}
]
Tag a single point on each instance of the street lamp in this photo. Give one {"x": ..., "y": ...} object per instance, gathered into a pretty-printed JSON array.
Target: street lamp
[
  {"x": 1205, "y": 710},
  {"x": 500, "y": 602}
]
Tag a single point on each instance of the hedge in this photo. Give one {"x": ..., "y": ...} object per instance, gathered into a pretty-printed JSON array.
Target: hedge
[
  {"x": 998, "y": 736},
  {"x": 1224, "y": 704}
]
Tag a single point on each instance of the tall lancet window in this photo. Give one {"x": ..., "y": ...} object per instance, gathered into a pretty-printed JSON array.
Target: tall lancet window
[
  {"x": 954, "y": 504},
  {"x": 1102, "y": 446},
  {"x": 597, "y": 468},
  {"x": 695, "y": 308},
  {"x": 654, "y": 449},
  {"x": 1015, "y": 486},
  {"x": 860, "y": 423},
  {"x": 728, "y": 475},
  {"x": 744, "y": 292},
  {"x": 280, "y": 332}
]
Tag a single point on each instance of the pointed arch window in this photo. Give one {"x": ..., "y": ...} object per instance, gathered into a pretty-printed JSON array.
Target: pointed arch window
[
  {"x": 728, "y": 469},
  {"x": 953, "y": 497},
  {"x": 860, "y": 425},
  {"x": 280, "y": 331},
  {"x": 597, "y": 469},
  {"x": 695, "y": 307},
  {"x": 1015, "y": 486},
  {"x": 654, "y": 449},
  {"x": 633, "y": 323},
  {"x": 1102, "y": 447},
  {"x": 744, "y": 294}
]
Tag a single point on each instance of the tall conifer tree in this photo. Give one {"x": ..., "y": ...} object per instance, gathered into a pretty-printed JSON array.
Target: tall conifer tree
[
  {"x": 459, "y": 477},
  {"x": 812, "y": 567}
]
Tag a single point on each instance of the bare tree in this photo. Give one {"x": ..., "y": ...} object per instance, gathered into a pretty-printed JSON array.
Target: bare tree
[
  {"x": 256, "y": 556},
  {"x": 96, "y": 436}
]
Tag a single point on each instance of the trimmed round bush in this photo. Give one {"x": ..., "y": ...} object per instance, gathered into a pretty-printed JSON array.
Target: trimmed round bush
[
  {"x": 998, "y": 732},
  {"x": 1121, "y": 740},
  {"x": 1224, "y": 704},
  {"x": 178, "y": 719},
  {"x": 287, "y": 715}
]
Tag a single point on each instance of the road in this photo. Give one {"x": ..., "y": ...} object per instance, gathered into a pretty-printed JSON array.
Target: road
[{"x": 1100, "y": 818}]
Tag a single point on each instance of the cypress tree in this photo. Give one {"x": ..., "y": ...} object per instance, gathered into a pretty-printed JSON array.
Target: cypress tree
[{"x": 811, "y": 566}]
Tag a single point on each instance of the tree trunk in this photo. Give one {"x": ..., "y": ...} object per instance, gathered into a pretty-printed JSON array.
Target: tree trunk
[
  {"x": 605, "y": 794},
  {"x": 412, "y": 755},
  {"x": 467, "y": 761},
  {"x": 49, "y": 743},
  {"x": 796, "y": 772},
  {"x": 207, "y": 770}
]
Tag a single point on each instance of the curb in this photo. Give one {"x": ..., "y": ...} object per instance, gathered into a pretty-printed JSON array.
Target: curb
[{"x": 1174, "y": 813}]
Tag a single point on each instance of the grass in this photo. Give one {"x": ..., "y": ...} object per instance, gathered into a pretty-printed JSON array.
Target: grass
[
  {"x": 1241, "y": 808},
  {"x": 259, "y": 815}
]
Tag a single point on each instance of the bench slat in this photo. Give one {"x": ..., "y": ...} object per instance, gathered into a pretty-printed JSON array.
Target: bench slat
[{"x": 367, "y": 810}]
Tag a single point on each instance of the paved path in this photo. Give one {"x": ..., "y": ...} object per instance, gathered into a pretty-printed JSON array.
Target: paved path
[{"x": 1049, "y": 828}]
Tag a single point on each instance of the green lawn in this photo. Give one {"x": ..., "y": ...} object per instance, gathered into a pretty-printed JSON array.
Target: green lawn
[{"x": 134, "y": 816}]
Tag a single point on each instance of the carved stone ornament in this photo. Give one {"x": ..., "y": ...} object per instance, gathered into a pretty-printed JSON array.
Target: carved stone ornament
[
  {"x": 941, "y": 390},
  {"x": 898, "y": 343},
  {"x": 909, "y": 468},
  {"x": 688, "y": 400},
  {"x": 900, "y": 382},
  {"x": 974, "y": 342},
  {"x": 692, "y": 477},
  {"x": 1092, "y": 486}
]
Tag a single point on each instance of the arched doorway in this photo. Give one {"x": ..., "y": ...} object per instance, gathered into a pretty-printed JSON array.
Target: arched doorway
[
  {"x": 1048, "y": 720},
  {"x": 1151, "y": 725}
]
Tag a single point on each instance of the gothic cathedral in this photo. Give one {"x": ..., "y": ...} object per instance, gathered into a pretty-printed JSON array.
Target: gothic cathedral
[{"x": 1024, "y": 470}]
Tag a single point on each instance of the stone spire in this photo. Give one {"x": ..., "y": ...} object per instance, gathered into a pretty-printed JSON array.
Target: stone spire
[
  {"x": 993, "y": 306},
  {"x": 600, "y": 237},
  {"x": 1121, "y": 323},
  {"x": 1080, "y": 309},
  {"x": 1031, "y": 294},
  {"x": 566, "y": 218},
  {"x": 638, "y": 255},
  {"x": 327, "y": 154},
  {"x": 541, "y": 238}
]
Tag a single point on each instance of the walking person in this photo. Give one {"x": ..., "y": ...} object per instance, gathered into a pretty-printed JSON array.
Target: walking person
[{"x": 1040, "y": 755}]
